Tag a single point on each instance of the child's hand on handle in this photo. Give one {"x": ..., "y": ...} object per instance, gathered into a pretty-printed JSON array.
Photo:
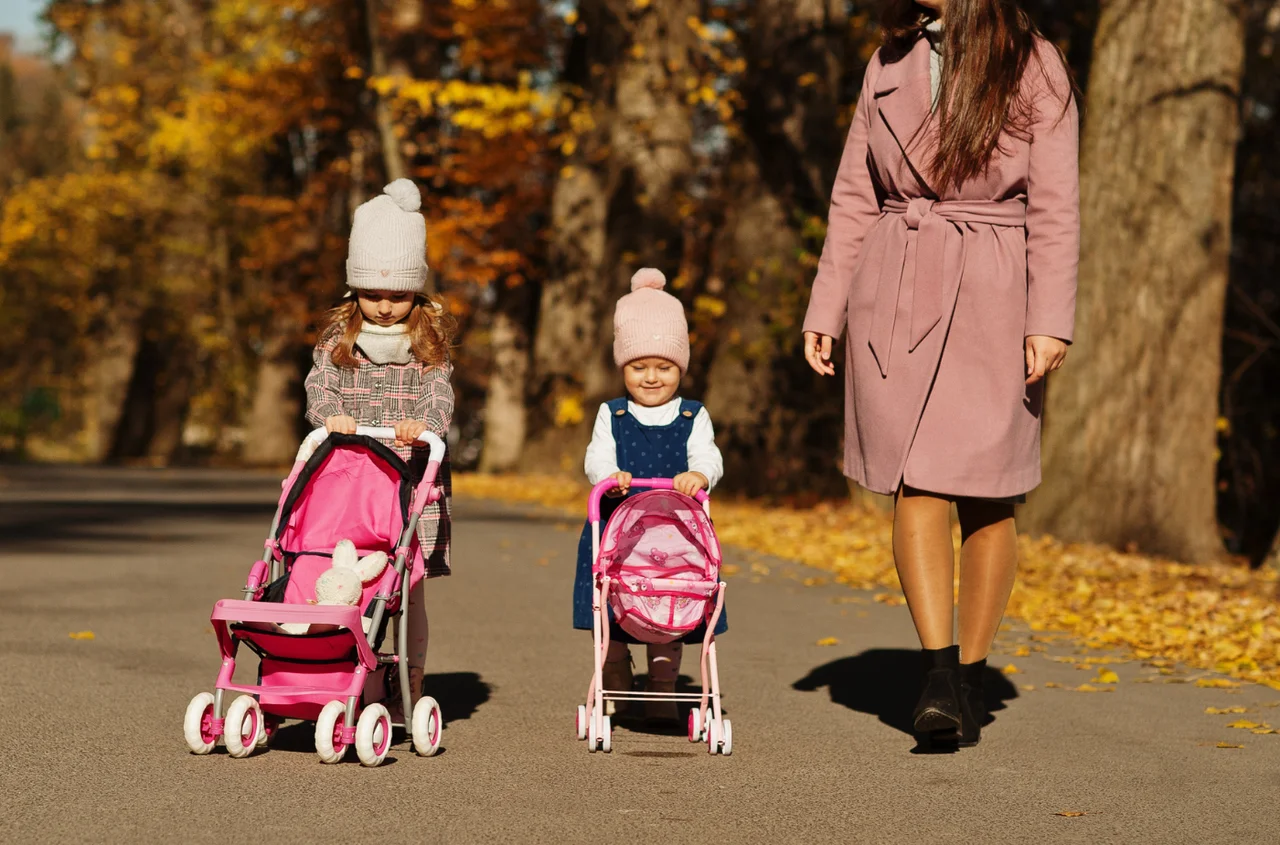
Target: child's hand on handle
[
  {"x": 407, "y": 431},
  {"x": 817, "y": 351},
  {"x": 623, "y": 480},
  {"x": 340, "y": 424},
  {"x": 689, "y": 483}
]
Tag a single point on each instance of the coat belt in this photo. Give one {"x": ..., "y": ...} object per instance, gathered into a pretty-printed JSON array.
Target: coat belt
[{"x": 940, "y": 254}]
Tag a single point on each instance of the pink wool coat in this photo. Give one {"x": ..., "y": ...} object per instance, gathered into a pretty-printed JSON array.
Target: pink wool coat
[{"x": 938, "y": 291}]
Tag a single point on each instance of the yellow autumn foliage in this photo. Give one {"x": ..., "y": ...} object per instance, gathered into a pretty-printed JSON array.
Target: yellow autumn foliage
[{"x": 1212, "y": 617}]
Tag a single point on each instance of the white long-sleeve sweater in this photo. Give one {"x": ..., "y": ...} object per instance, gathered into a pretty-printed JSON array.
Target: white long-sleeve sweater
[{"x": 704, "y": 455}]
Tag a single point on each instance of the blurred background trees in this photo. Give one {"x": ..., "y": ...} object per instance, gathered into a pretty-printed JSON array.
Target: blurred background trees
[{"x": 177, "y": 179}]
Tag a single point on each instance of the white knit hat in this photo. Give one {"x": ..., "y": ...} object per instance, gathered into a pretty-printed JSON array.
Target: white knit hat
[{"x": 388, "y": 246}]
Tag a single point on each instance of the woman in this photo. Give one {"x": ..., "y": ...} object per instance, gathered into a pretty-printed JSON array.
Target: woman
[{"x": 951, "y": 254}]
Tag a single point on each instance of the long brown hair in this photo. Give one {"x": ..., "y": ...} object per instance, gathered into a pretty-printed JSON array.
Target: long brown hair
[
  {"x": 987, "y": 47},
  {"x": 429, "y": 326}
]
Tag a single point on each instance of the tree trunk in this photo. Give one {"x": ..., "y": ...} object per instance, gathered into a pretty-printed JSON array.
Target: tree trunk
[
  {"x": 271, "y": 435},
  {"x": 109, "y": 376},
  {"x": 783, "y": 166},
  {"x": 504, "y": 408},
  {"x": 615, "y": 207},
  {"x": 1129, "y": 443},
  {"x": 392, "y": 158}
]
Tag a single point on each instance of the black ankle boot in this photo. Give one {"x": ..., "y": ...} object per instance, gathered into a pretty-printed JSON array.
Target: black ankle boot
[
  {"x": 938, "y": 712},
  {"x": 973, "y": 706}
]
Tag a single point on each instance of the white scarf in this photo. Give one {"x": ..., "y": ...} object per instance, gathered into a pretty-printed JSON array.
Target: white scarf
[{"x": 385, "y": 344}]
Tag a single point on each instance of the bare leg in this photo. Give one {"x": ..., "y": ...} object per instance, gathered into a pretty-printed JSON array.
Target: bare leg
[
  {"x": 925, "y": 558},
  {"x": 664, "y": 668},
  {"x": 418, "y": 631},
  {"x": 988, "y": 565}
]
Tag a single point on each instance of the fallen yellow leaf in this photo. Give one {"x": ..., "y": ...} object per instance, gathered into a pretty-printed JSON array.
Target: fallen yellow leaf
[
  {"x": 81, "y": 635},
  {"x": 1243, "y": 723},
  {"x": 1028, "y": 687},
  {"x": 1071, "y": 814},
  {"x": 1228, "y": 745},
  {"x": 1106, "y": 676},
  {"x": 1053, "y": 685},
  {"x": 1265, "y": 730},
  {"x": 1217, "y": 683},
  {"x": 1219, "y": 711},
  {"x": 828, "y": 641},
  {"x": 1022, "y": 651},
  {"x": 1011, "y": 669}
]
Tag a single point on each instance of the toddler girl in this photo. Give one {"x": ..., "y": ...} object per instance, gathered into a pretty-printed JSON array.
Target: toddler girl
[
  {"x": 383, "y": 360},
  {"x": 650, "y": 433}
]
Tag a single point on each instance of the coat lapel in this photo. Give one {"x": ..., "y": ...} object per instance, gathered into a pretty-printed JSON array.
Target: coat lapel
[{"x": 904, "y": 101}]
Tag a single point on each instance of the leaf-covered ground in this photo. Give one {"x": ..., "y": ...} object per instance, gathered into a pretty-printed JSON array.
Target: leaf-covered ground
[{"x": 1212, "y": 617}]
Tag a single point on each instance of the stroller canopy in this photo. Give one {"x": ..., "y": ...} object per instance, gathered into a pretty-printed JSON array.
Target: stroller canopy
[
  {"x": 660, "y": 534},
  {"x": 351, "y": 488}
]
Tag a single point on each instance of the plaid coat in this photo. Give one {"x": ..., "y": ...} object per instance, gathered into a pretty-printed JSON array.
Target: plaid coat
[{"x": 383, "y": 395}]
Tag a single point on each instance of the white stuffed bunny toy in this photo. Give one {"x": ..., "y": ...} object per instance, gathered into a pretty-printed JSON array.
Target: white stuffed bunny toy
[{"x": 343, "y": 583}]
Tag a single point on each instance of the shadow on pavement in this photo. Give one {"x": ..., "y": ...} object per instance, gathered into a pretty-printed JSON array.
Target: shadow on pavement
[
  {"x": 885, "y": 682},
  {"x": 459, "y": 694},
  {"x": 24, "y": 525}
]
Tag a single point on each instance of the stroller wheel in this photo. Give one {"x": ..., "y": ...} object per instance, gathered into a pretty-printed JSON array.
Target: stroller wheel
[
  {"x": 713, "y": 738},
  {"x": 695, "y": 727},
  {"x": 427, "y": 723},
  {"x": 593, "y": 734},
  {"x": 197, "y": 725},
  {"x": 373, "y": 735},
  {"x": 581, "y": 724},
  {"x": 726, "y": 741},
  {"x": 329, "y": 728},
  {"x": 606, "y": 737},
  {"x": 242, "y": 726}
]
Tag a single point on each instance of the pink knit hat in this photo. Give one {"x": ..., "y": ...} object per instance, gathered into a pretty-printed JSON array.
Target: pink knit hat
[{"x": 648, "y": 322}]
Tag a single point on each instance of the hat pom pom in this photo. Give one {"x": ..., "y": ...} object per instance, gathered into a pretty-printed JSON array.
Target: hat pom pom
[
  {"x": 405, "y": 194},
  {"x": 648, "y": 277}
]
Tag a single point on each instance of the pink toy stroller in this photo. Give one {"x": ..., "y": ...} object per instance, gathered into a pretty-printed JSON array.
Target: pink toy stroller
[
  {"x": 657, "y": 568},
  {"x": 341, "y": 487}
]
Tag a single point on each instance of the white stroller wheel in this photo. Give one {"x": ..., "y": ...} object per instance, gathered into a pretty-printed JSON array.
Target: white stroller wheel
[
  {"x": 197, "y": 724},
  {"x": 713, "y": 738},
  {"x": 606, "y": 737},
  {"x": 329, "y": 728},
  {"x": 726, "y": 742},
  {"x": 427, "y": 724},
  {"x": 593, "y": 735},
  {"x": 695, "y": 726},
  {"x": 242, "y": 726},
  {"x": 373, "y": 735},
  {"x": 581, "y": 724}
]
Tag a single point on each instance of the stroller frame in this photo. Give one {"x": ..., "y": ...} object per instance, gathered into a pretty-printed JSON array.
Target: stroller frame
[
  {"x": 706, "y": 721},
  {"x": 392, "y": 584}
]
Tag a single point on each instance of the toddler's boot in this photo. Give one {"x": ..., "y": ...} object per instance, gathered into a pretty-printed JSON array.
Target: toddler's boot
[
  {"x": 616, "y": 674},
  {"x": 664, "y": 668}
]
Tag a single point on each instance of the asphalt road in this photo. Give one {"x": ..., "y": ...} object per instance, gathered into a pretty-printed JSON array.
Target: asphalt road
[{"x": 91, "y": 746}]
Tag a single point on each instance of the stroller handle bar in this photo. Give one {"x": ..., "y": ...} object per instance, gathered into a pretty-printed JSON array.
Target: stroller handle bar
[
  {"x": 430, "y": 439},
  {"x": 598, "y": 491}
]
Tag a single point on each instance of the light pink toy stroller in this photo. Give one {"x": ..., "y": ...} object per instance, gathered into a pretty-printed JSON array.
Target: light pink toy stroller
[
  {"x": 341, "y": 487},
  {"x": 657, "y": 567}
]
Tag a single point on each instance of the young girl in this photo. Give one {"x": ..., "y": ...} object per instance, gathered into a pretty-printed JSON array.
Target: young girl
[
  {"x": 650, "y": 433},
  {"x": 383, "y": 360}
]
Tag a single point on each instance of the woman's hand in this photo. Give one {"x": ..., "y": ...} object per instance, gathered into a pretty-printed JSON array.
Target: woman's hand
[
  {"x": 689, "y": 483},
  {"x": 340, "y": 424},
  {"x": 407, "y": 431},
  {"x": 623, "y": 480},
  {"x": 1044, "y": 355},
  {"x": 817, "y": 351}
]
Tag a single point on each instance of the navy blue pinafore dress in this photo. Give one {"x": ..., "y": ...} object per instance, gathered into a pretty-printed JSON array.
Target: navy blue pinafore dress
[{"x": 645, "y": 451}]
